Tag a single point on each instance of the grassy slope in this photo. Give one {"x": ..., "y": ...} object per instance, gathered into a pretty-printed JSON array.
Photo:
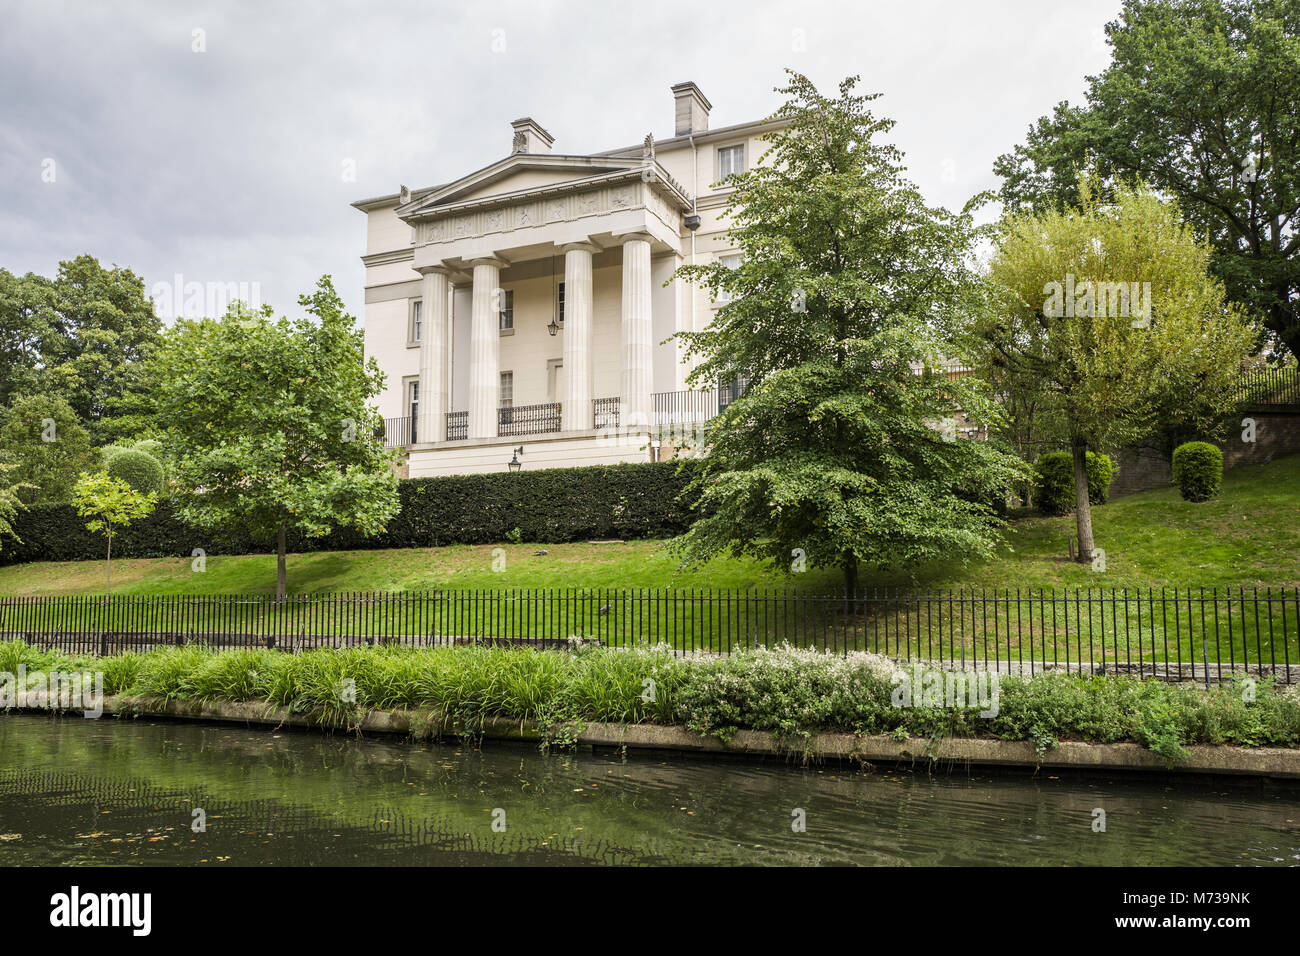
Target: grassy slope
[{"x": 1249, "y": 536}]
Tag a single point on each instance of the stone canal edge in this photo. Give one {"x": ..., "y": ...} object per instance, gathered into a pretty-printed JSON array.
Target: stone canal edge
[{"x": 1276, "y": 762}]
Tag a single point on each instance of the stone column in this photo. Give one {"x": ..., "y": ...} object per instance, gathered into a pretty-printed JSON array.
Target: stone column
[
  {"x": 430, "y": 424},
  {"x": 578, "y": 335},
  {"x": 637, "y": 370},
  {"x": 485, "y": 348}
]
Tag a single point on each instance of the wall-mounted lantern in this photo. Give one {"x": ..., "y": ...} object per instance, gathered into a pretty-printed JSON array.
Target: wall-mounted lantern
[{"x": 514, "y": 464}]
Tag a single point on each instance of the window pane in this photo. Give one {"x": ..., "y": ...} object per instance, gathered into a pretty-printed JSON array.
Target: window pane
[
  {"x": 416, "y": 316},
  {"x": 507, "y": 389},
  {"x": 508, "y": 309}
]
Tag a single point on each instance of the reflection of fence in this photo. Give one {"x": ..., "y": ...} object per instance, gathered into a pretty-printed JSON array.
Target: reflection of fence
[
  {"x": 381, "y": 830},
  {"x": 1193, "y": 630}
]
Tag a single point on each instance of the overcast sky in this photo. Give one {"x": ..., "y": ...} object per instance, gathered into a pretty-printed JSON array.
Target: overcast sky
[{"x": 230, "y": 164}]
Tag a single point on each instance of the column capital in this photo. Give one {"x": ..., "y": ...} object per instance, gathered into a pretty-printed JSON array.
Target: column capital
[
  {"x": 492, "y": 260},
  {"x": 582, "y": 246},
  {"x": 637, "y": 236},
  {"x": 438, "y": 270}
]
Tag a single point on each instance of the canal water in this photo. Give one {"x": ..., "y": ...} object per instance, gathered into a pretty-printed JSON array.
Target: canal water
[{"x": 75, "y": 791}]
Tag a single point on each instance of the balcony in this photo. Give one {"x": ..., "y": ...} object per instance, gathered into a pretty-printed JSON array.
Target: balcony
[
  {"x": 668, "y": 409},
  {"x": 528, "y": 419},
  {"x": 399, "y": 432}
]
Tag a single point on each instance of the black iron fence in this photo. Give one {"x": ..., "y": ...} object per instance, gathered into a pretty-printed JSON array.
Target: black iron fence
[
  {"x": 457, "y": 426},
  {"x": 1268, "y": 387},
  {"x": 528, "y": 419},
  {"x": 1188, "y": 633},
  {"x": 604, "y": 412},
  {"x": 399, "y": 432}
]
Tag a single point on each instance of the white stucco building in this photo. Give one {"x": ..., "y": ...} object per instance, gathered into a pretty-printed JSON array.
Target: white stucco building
[{"x": 524, "y": 305}]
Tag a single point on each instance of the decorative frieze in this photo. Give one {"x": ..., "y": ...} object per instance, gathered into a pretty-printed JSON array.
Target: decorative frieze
[{"x": 618, "y": 197}]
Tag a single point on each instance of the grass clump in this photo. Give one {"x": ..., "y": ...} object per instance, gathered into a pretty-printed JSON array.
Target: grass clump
[{"x": 788, "y": 692}]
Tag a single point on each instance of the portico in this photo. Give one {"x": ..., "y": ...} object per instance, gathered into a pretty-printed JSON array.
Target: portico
[
  {"x": 532, "y": 303},
  {"x": 572, "y": 213}
]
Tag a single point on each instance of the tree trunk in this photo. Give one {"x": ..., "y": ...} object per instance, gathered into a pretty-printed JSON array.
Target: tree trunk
[
  {"x": 108, "y": 572},
  {"x": 850, "y": 564},
  {"x": 280, "y": 548},
  {"x": 1082, "y": 506}
]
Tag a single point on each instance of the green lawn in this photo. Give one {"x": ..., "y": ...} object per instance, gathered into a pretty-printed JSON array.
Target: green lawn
[{"x": 1249, "y": 536}]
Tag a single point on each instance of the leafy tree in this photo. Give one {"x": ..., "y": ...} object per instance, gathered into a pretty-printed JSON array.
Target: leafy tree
[
  {"x": 1110, "y": 308},
  {"x": 43, "y": 443},
  {"x": 847, "y": 291},
  {"x": 267, "y": 423},
  {"x": 81, "y": 335},
  {"x": 1200, "y": 100},
  {"x": 109, "y": 503},
  {"x": 10, "y": 505}
]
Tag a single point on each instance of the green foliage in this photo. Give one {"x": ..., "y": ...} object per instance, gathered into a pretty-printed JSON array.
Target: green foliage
[
  {"x": 1198, "y": 470},
  {"x": 1104, "y": 313},
  {"x": 546, "y": 506},
  {"x": 80, "y": 336},
  {"x": 1200, "y": 99},
  {"x": 10, "y": 505},
  {"x": 1054, "y": 471},
  {"x": 142, "y": 471},
  {"x": 849, "y": 283},
  {"x": 791, "y": 693},
  {"x": 268, "y": 424},
  {"x": 109, "y": 503},
  {"x": 45, "y": 447}
]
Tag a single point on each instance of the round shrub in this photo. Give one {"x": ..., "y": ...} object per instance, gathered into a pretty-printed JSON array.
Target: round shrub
[
  {"x": 140, "y": 470},
  {"x": 1198, "y": 470},
  {"x": 152, "y": 446},
  {"x": 1055, "y": 481}
]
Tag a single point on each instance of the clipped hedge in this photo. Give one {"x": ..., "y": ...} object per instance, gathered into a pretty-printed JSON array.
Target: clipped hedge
[
  {"x": 1055, "y": 481},
  {"x": 549, "y": 506},
  {"x": 142, "y": 471},
  {"x": 1198, "y": 470}
]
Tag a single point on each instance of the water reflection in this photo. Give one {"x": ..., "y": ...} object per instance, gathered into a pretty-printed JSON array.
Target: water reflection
[{"x": 123, "y": 791}]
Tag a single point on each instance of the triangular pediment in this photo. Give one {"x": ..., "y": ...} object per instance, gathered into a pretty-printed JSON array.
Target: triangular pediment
[{"x": 517, "y": 175}]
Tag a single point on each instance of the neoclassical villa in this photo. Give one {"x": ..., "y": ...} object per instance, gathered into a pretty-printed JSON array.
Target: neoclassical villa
[{"x": 523, "y": 313}]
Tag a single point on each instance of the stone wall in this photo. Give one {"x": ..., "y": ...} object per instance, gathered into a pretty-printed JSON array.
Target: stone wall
[{"x": 1276, "y": 434}]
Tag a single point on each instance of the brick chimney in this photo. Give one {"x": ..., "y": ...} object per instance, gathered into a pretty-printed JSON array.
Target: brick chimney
[
  {"x": 692, "y": 109},
  {"x": 529, "y": 137}
]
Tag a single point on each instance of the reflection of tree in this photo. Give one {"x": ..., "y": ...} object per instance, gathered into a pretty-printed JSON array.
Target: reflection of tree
[{"x": 322, "y": 799}]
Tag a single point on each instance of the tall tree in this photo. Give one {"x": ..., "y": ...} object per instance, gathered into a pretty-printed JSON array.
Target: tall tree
[
  {"x": 45, "y": 447},
  {"x": 1108, "y": 306},
  {"x": 80, "y": 335},
  {"x": 847, "y": 293},
  {"x": 268, "y": 426},
  {"x": 1201, "y": 100}
]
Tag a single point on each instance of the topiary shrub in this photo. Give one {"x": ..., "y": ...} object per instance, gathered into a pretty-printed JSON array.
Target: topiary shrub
[
  {"x": 152, "y": 446},
  {"x": 1055, "y": 481},
  {"x": 142, "y": 471},
  {"x": 1198, "y": 470}
]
